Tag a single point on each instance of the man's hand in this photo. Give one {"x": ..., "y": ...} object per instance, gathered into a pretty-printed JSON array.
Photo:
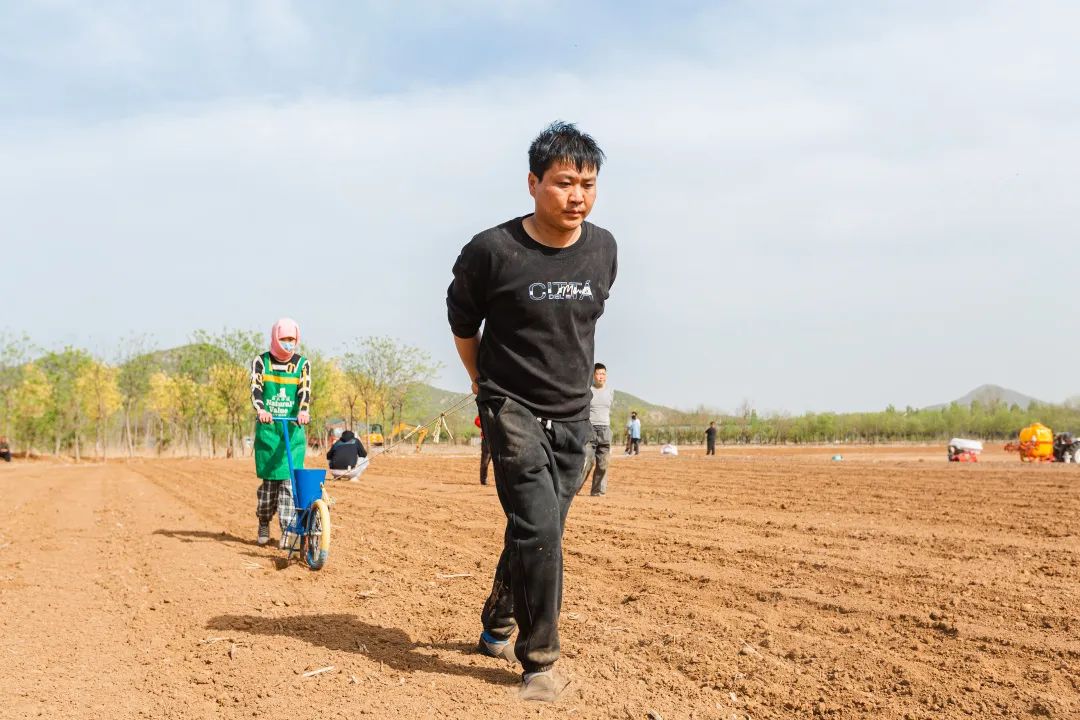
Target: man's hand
[
  {"x": 265, "y": 417},
  {"x": 468, "y": 349},
  {"x": 303, "y": 417}
]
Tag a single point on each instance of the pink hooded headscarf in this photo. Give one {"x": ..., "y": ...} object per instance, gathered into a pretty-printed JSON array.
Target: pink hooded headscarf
[{"x": 285, "y": 327}]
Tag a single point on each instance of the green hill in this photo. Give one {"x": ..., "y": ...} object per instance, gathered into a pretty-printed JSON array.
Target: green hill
[
  {"x": 427, "y": 401},
  {"x": 647, "y": 411},
  {"x": 990, "y": 395}
]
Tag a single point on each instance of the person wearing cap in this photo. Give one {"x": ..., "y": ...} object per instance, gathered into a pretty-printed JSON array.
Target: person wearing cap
[
  {"x": 280, "y": 387},
  {"x": 347, "y": 457}
]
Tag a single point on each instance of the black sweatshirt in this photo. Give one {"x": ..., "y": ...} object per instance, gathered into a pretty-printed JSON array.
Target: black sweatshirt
[
  {"x": 344, "y": 454},
  {"x": 539, "y": 306}
]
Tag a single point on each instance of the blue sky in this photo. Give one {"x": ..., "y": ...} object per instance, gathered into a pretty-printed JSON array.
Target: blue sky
[{"x": 819, "y": 205}]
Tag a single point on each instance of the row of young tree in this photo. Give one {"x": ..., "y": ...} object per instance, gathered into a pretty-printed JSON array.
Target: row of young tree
[
  {"x": 195, "y": 400},
  {"x": 993, "y": 421},
  {"x": 192, "y": 400}
]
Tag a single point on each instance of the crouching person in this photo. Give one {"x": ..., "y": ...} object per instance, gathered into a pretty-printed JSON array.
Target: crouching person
[{"x": 347, "y": 457}]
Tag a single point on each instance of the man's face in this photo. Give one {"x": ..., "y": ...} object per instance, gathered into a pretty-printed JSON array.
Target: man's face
[
  {"x": 564, "y": 196},
  {"x": 599, "y": 377}
]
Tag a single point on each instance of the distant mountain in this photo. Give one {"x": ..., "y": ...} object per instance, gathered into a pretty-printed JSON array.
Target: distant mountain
[
  {"x": 647, "y": 411},
  {"x": 990, "y": 394}
]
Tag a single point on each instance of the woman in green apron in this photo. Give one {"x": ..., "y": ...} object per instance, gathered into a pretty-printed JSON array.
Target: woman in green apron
[{"x": 280, "y": 387}]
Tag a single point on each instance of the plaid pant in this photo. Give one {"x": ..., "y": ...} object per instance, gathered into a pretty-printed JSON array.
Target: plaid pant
[{"x": 275, "y": 495}]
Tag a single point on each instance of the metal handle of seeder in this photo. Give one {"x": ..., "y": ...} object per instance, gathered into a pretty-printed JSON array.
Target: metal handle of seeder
[{"x": 288, "y": 451}]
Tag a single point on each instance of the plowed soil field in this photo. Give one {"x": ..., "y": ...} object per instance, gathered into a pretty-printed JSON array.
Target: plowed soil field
[{"x": 766, "y": 583}]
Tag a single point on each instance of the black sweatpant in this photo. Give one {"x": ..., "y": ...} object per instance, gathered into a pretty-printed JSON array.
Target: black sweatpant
[
  {"x": 538, "y": 465},
  {"x": 485, "y": 460},
  {"x": 710, "y": 447}
]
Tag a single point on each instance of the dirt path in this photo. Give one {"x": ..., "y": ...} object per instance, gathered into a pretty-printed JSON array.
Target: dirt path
[{"x": 754, "y": 584}]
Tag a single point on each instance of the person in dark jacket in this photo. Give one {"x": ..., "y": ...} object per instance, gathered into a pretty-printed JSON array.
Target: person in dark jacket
[
  {"x": 710, "y": 439},
  {"x": 347, "y": 457}
]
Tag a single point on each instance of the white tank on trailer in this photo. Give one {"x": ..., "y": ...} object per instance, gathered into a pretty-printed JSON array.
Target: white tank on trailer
[{"x": 963, "y": 444}]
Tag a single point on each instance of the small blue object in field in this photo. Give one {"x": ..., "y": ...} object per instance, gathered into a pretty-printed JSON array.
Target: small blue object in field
[{"x": 837, "y": 458}]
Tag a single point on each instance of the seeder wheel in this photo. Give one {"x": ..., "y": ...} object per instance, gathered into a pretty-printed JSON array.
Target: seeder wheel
[{"x": 317, "y": 535}]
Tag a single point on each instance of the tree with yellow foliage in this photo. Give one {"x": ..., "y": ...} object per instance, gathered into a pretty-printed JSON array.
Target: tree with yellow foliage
[
  {"x": 30, "y": 404},
  {"x": 230, "y": 391},
  {"x": 191, "y": 408},
  {"x": 14, "y": 352},
  {"x": 164, "y": 402},
  {"x": 359, "y": 392},
  {"x": 98, "y": 393},
  {"x": 326, "y": 383}
]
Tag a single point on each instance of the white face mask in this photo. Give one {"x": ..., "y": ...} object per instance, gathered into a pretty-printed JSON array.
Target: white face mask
[{"x": 288, "y": 346}]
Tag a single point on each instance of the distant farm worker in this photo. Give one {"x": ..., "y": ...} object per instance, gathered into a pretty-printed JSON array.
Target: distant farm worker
[
  {"x": 347, "y": 457},
  {"x": 598, "y": 449},
  {"x": 5, "y": 449},
  {"x": 280, "y": 387},
  {"x": 710, "y": 439},
  {"x": 633, "y": 431},
  {"x": 538, "y": 284},
  {"x": 485, "y": 453}
]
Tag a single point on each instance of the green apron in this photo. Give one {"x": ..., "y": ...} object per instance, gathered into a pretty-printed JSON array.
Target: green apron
[{"x": 280, "y": 390}]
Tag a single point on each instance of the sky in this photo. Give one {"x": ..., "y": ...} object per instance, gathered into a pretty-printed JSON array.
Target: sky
[{"x": 819, "y": 205}]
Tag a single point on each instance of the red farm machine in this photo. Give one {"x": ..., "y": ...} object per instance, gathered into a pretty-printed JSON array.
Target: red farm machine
[{"x": 962, "y": 450}]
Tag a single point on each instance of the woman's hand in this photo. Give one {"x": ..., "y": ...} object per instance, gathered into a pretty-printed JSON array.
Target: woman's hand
[
  {"x": 265, "y": 417},
  {"x": 303, "y": 417}
]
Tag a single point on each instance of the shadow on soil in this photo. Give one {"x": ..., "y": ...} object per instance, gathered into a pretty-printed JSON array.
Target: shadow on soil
[
  {"x": 188, "y": 536},
  {"x": 205, "y": 535},
  {"x": 346, "y": 633}
]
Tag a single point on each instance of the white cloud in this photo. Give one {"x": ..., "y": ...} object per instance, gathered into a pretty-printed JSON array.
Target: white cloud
[
  {"x": 839, "y": 225},
  {"x": 278, "y": 26}
]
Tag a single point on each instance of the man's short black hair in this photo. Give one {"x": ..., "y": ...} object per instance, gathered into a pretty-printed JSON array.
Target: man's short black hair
[
  {"x": 599, "y": 366},
  {"x": 563, "y": 142}
]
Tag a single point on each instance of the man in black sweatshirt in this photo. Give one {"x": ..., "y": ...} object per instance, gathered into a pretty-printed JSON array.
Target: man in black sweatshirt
[{"x": 538, "y": 285}]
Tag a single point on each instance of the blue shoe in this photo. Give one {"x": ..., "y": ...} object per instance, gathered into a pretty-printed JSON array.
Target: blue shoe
[{"x": 494, "y": 647}]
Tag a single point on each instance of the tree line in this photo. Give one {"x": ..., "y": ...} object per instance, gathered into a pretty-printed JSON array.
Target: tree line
[
  {"x": 984, "y": 421},
  {"x": 195, "y": 400},
  {"x": 192, "y": 400}
]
